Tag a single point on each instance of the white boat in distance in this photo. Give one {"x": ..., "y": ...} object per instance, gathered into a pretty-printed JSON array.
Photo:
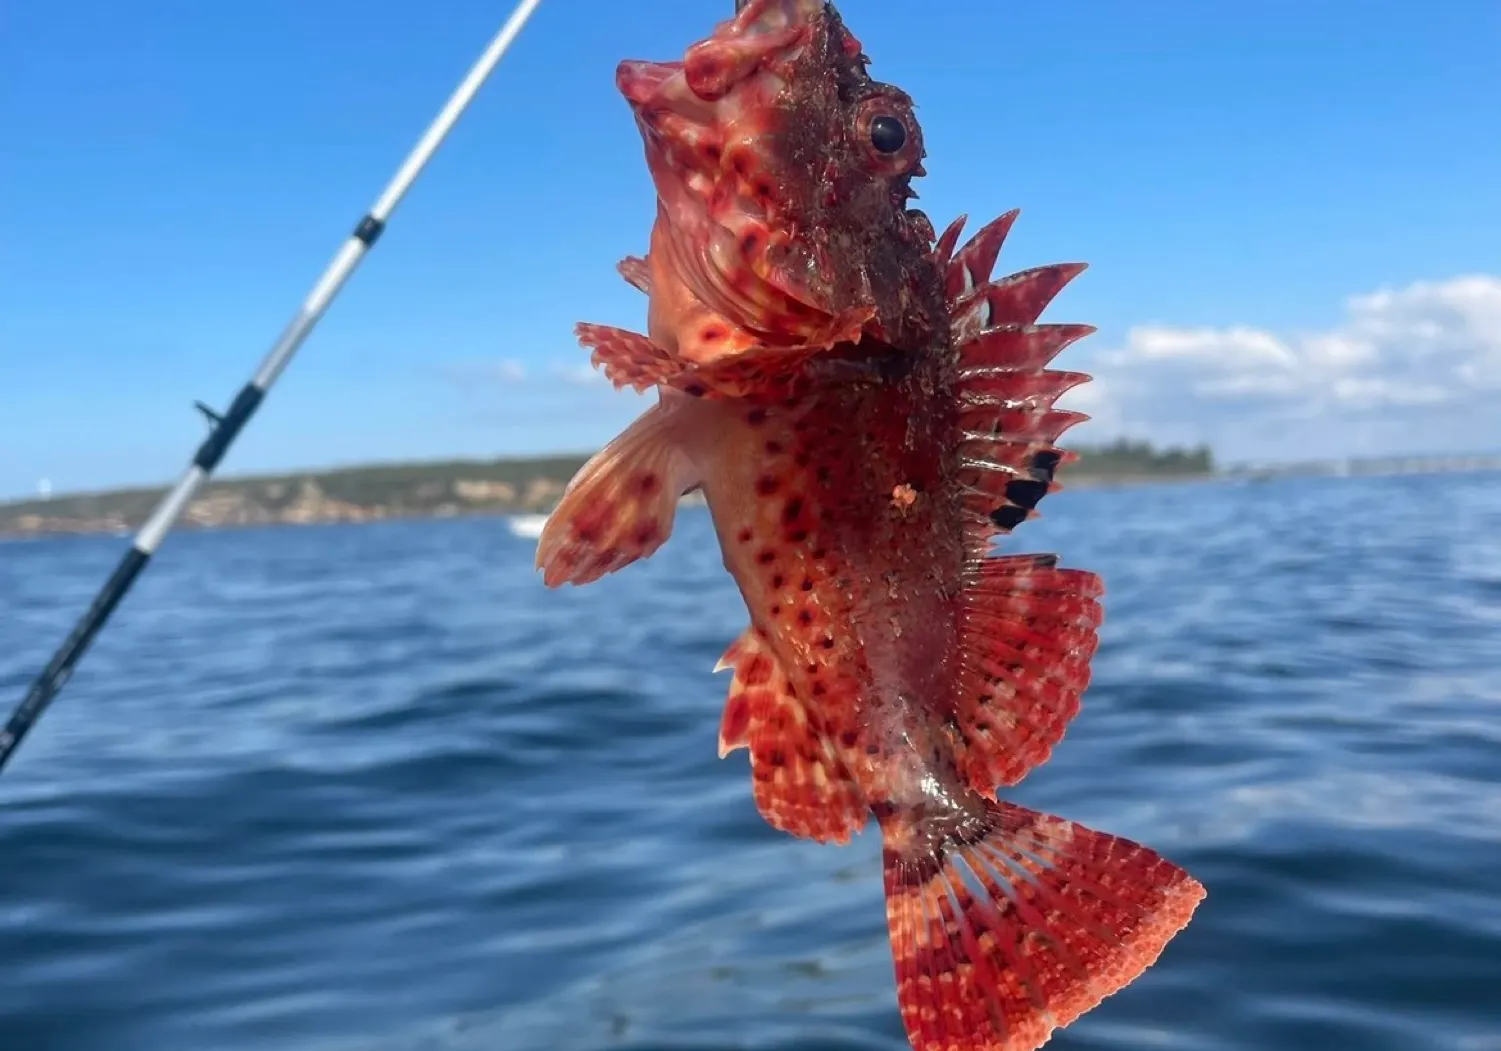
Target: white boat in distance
[{"x": 529, "y": 526}]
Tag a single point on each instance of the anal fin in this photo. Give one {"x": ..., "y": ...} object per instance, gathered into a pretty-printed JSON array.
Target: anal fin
[
  {"x": 1027, "y": 632},
  {"x": 801, "y": 786},
  {"x": 620, "y": 506},
  {"x": 1013, "y": 923}
]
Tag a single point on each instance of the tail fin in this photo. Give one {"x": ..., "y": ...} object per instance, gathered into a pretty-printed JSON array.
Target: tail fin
[{"x": 1005, "y": 930}]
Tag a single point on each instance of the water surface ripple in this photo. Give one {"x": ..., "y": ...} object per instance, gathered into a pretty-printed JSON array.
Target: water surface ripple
[{"x": 373, "y": 787}]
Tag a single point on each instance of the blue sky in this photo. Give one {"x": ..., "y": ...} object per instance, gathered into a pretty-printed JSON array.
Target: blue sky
[{"x": 1290, "y": 211}]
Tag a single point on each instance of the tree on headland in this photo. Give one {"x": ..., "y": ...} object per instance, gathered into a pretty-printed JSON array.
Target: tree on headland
[{"x": 1124, "y": 458}]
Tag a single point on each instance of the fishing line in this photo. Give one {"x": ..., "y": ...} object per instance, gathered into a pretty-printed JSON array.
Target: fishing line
[{"x": 223, "y": 429}]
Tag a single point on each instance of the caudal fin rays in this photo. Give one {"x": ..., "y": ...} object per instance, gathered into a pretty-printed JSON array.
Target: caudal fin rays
[{"x": 1021, "y": 926}]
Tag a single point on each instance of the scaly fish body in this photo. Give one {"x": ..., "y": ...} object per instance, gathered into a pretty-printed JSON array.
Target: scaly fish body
[{"x": 865, "y": 410}]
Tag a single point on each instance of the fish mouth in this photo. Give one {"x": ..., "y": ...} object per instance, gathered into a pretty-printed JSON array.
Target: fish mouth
[
  {"x": 736, "y": 49},
  {"x": 709, "y": 125}
]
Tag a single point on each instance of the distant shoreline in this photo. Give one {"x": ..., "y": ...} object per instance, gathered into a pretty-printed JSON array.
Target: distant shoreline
[
  {"x": 471, "y": 488},
  {"x": 405, "y": 492}
]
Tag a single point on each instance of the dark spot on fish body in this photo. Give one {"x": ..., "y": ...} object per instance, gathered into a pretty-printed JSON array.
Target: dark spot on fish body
[
  {"x": 606, "y": 559},
  {"x": 594, "y": 519},
  {"x": 736, "y": 717},
  {"x": 792, "y": 510},
  {"x": 778, "y": 581},
  {"x": 768, "y": 484},
  {"x": 1008, "y": 517},
  {"x": 758, "y": 672},
  {"x": 649, "y": 532},
  {"x": 1026, "y": 493},
  {"x": 766, "y": 556},
  {"x": 1046, "y": 462},
  {"x": 774, "y": 448},
  {"x": 797, "y": 536},
  {"x": 697, "y": 390},
  {"x": 703, "y": 68},
  {"x": 807, "y": 584},
  {"x": 755, "y": 417},
  {"x": 776, "y": 757}
]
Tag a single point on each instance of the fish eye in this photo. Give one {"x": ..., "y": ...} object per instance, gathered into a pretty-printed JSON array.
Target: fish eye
[{"x": 887, "y": 133}]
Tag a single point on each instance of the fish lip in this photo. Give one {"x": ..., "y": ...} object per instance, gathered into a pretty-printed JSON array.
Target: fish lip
[
  {"x": 641, "y": 80},
  {"x": 644, "y": 82}
]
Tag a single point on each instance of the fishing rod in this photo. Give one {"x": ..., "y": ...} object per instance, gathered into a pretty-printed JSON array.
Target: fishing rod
[{"x": 223, "y": 429}]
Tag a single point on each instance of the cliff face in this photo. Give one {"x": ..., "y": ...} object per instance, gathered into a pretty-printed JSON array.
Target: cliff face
[{"x": 356, "y": 495}]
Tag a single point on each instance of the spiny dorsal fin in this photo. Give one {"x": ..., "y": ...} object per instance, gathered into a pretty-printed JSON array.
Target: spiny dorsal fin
[
  {"x": 1008, "y": 422},
  {"x": 943, "y": 248},
  {"x": 971, "y": 265}
]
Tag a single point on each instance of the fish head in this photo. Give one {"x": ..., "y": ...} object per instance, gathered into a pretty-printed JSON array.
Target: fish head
[{"x": 783, "y": 175}]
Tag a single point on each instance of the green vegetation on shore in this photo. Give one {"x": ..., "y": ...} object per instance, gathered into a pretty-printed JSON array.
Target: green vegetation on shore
[
  {"x": 448, "y": 488},
  {"x": 1124, "y": 458}
]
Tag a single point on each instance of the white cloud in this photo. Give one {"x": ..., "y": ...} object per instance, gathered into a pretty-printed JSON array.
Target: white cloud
[
  {"x": 582, "y": 375},
  {"x": 504, "y": 371},
  {"x": 1415, "y": 369},
  {"x": 509, "y": 371}
]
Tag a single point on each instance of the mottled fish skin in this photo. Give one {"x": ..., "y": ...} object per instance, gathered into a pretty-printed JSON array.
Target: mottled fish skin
[{"x": 871, "y": 411}]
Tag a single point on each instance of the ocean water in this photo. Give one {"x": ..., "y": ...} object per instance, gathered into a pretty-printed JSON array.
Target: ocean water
[{"x": 373, "y": 787}]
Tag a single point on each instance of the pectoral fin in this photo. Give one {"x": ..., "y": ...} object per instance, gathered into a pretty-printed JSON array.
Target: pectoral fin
[{"x": 620, "y": 506}]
